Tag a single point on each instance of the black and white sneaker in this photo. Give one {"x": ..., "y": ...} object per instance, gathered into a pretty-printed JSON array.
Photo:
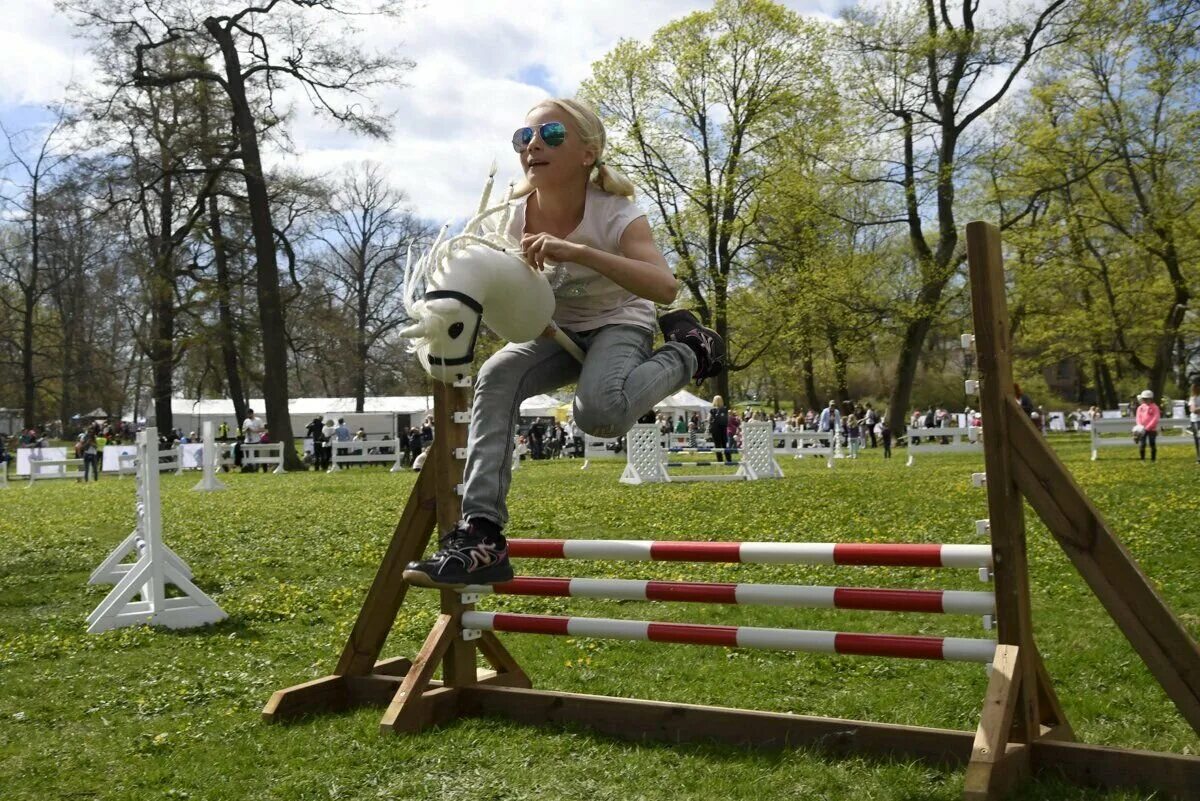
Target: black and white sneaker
[
  {"x": 682, "y": 326},
  {"x": 464, "y": 556}
]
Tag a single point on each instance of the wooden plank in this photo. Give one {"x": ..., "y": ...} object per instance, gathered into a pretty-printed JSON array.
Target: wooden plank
[
  {"x": 1108, "y": 568},
  {"x": 1174, "y": 775},
  {"x": 1054, "y": 718},
  {"x": 504, "y": 662},
  {"x": 387, "y": 591},
  {"x": 458, "y": 666},
  {"x": 678, "y": 723},
  {"x": 995, "y": 724},
  {"x": 404, "y": 713},
  {"x": 1006, "y": 512},
  {"x": 395, "y": 666},
  {"x": 326, "y": 694}
]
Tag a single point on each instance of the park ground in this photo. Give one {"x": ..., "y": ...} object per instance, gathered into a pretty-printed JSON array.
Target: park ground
[{"x": 142, "y": 713}]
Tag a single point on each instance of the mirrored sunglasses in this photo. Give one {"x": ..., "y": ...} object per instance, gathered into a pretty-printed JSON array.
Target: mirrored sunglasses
[{"x": 552, "y": 133}]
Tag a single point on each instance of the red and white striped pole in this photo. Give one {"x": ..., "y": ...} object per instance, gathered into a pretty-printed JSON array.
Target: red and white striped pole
[
  {"x": 882, "y": 600},
  {"x": 789, "y": 553},
  {"x": 955, "y": 649}
]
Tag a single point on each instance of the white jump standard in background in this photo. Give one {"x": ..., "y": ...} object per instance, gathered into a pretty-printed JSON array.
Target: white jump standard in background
[{"x": 155, "y": 568}]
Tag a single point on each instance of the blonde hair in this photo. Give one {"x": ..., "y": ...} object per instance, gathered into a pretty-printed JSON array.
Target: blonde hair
[
  {"x": 591, "y": 131},
  {"x": 718, "y": 401}
]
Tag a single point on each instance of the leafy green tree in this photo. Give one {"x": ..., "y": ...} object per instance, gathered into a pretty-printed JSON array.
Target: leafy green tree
[
  {"x": 694, "y": 119},
  {"x": 923, "y": 75}
]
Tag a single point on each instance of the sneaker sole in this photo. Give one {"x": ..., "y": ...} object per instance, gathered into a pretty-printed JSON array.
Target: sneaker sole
[{"x": 419, "y": 578}]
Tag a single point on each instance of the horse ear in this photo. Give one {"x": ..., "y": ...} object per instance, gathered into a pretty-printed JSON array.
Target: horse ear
[{"x": 414, "y": 331}]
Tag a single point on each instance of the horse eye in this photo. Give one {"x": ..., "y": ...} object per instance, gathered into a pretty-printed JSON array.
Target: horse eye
[{"x": 455, "y": 330}]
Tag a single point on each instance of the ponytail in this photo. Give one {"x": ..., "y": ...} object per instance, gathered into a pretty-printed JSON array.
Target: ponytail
[{"x": 612, "y": 181}]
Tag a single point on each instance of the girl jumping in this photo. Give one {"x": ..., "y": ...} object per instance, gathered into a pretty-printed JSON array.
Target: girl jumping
[{"x": 575, "y": 211}]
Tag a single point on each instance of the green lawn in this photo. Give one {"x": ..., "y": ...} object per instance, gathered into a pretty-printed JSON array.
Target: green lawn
[{"x": 143, "y": 713}]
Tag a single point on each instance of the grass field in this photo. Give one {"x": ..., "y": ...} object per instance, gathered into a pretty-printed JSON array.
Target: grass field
[{"x": 143, "y": 713}]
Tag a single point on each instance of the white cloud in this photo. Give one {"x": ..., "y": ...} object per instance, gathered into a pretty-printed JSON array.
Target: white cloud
[{"x": 480, "y": 65}]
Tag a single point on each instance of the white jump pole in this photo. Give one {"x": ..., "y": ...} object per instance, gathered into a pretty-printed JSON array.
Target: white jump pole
[{"x": 208, "y": 462}]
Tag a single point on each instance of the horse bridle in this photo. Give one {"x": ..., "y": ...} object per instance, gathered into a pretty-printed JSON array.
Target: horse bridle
[{"x": 470, "y": 303}]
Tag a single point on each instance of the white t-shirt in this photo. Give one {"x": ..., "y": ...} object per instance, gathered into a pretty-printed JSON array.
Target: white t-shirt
[
  {"x": 1194, "y": 408},
  {"x": 586, "y": 300},
  {"x": 252, "y": 429}
]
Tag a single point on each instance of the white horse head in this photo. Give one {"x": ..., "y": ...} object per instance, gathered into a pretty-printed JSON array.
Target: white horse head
[{"x": 477, "y": 277}]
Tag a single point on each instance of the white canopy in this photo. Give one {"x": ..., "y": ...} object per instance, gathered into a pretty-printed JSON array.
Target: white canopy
[
  {"x": 683, "y": 401},
  {"x": 540, "y": 406}
]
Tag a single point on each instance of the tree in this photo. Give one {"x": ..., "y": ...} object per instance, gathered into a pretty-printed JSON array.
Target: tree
[
  {"x": 923, "y": 79},
  {"x": 365, "y": 238},
  {"x": 1105, "y": 156},
  {"x": 259, "y": 45},
  {"x": 693, "y": 118},
  {"x": 37, "y": 162}
]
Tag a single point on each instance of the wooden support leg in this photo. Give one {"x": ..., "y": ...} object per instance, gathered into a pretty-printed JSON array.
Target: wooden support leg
[
  {"x": 508, "y": 672},
  {"x": 993, "y": 769},
  {"x": 408, "y": 711}
]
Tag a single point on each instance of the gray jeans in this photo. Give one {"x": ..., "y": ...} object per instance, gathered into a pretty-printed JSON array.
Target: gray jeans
[{"x": 619, "y": 381}]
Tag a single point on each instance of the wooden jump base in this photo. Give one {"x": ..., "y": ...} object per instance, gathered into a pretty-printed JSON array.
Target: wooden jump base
[{"x": 1022, "y": 729}]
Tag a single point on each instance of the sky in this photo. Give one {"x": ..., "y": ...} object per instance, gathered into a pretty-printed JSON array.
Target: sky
[{"x": 480, "y": 64}]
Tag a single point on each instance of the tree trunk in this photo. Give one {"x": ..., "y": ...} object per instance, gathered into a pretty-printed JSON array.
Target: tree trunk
[
  {"x": 162, "y": 306},
  {"x": 229, "y": 354},
  {"x": 270, "y": 305},
  {"x": 906, "y": 372},
  {"x": 1106, "y": 391},
  {"x": 360, "y": 354},
  {"x": 721, "y": 326},
  {"x": 28, "y": 380},
  {"x": 810, "y": 378}
]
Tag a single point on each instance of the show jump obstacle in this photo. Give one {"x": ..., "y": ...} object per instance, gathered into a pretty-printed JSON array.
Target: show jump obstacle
[
  {"x": 648, "y": 457},
  {"x": 1022, "y": 728},
  {"x": 155, "y": 567}
]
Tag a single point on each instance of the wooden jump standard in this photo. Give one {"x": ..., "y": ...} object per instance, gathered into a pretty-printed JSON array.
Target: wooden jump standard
[{"x": 1022, "y": 728}]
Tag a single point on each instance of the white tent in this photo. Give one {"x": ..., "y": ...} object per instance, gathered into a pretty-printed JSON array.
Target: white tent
[
  {"x": 382, "y": 416},
  {"x": 540, "y": 406},
  {"x": 683, "y": 401}
]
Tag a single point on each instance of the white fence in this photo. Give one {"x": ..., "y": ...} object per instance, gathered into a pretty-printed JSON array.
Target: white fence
[
  {"x": 42, "y": 469},
  {"x": 1117, "y": 432},
  {"x": 366, "y": 452},
  {"x": 929, "y": 441}
]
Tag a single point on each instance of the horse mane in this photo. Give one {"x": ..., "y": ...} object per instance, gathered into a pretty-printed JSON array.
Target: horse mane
[{"x": 488, "y": 228}]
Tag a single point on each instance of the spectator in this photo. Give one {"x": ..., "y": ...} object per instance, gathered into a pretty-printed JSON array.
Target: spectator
[
  {"x": 427, "y": 432},
  {"x": 342, "y": 432},
  {"x": 90, "y": 452},
  {"x": 1023, "y": 399},
  {"x": 853, "y": 435},
  {"x": 830, "y": 421},
  {"x": 1148, "y": 415},
  {"x": 576, "y": 437},
  {"x": 329, "y": 433},
  {"x": 733, "y": 430},
  {"x": 414, "y": 445},
  {"x": 870, "y": 420},
  {"x": 314, "y": 432},
  {"x": 419, "y": 462},
  {"x": 885, "y": 434},
  {"x": 360, "y": 435},
  {"x": 537, "y": 439},
  {"x": 252, "y": 429},
  {"x": 223, "y": 431},
  {"x": 718, "y": 427}
]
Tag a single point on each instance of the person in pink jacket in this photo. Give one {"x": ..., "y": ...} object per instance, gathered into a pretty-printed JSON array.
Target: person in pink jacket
[{"x": 1147, "y": 417}]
